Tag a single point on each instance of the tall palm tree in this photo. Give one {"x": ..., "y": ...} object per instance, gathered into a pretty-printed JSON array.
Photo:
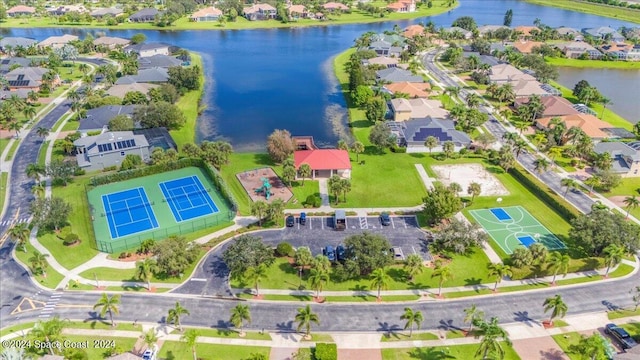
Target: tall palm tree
[
  {"x": 631, "y": 202},
  {"x": 38, "y": 262},
  {"x": 42, "y": 132},
  {"x": 38, "y": 190},
  {"x": 304, "y": 171},
  {"x": 150, "y": 338},
  {"x": 357, "y": 148},
  {"x": 20, "y": 234},
  {"x": 557, "y": 306},
  {"x": 452, "y": 91},
  {"x": 558, "y": 262},
  {"x": 541, "y": 165},
  {"x": 474, "y": 190},
  {"x": 239, "y": 315},
  {"x": 499, "y": 271},
  {"x": 259, "y": 210},
  {"x": 108, "y": 304},
  {"x": 34, "y": 171},
  {"x": 49, "y": 331},
  {"x": 443, "y": 273},
  {"x": 519, "y": 146},
  {"x": 304, "y": 318},
  {"x": 380, "y": 279},
  {"x": 492, "y": 335},
  {"x": 473, "y": 315},
  {"x": 145, "y": 270},
  {"x": 604, "y": 101},
  {"x": 569, "y": 184},
  {"x": 318, "y": 278},
  {"x": 413, "y": 266},
  {"x": 412, "y": 318},
  {"x": 29, "y": 112},
  {"x": 191, "y": 338},
  {"x": 255, "y": 274},
  {"x": 473, "y": 100},
  {"x": 612, "y": 256},
  {"x": 175, "y": 313},
  {"x": 84, "y": 68},
  {"x": 431, "y": 142}
]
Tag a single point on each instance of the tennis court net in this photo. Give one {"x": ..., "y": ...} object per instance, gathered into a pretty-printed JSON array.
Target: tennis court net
[
  {"x": 186, "y": 195},
  {"x": 128, "y": 209}
]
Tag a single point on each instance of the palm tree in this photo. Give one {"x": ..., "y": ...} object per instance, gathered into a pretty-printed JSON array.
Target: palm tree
[
  {"x": 84, "y": 68},
  {"x": 499, "y": 271},
  {"x": 239, "y": 315},
  {"x": 15, "y": 126},
  {"x": 569, "y": 184},
  {"x": 492, "y": 334},
  {"x": 304, "y": 171},
  {"x": 592, "y": 182},
  {"x": 318, "y": 278},
  {"x": 108, "y": 304},
  {"x": 412, "y": 318},
  {"x": 39, "y": 263},
  {"x": 42, "y": 132},
  {"x": 48, "y": 331},
  {"x": 413, "y": 266},
  {"x": 145, "y": 270},
  {"x": 38, "y": 190},
  {"x": 29, "y": 112},
  {"x": 357, "y": 148},
  {"x": 541, "y": 165},
  {"x": 380, "y": 279},
  {"x": 304, "y": 318},
  {"x": 431, "y": 142},
  {"x": 612, "y": 256},
  {"x": 631, "y": 202},
  {"x": 191, "y": 338},
  {"x": 20, "y": 234},
  {"x": 448, "y": 147},
  {"x": 604, "y": 101},
  {"x": 473, "y": 100},
  {"x": 558, "y": 262},
  {"x": 175, "y": 314},
  {"x": 519, "y": 146},
  {"x": 255, "y": 274},
  {"x": 150, "y": 338},
  {"x": 473, "y": 315},
  {"x": 443, "y": 273},
  {"x": 556, "y": 305},
  {"x": 34, "y": 171},
  {"x": 452, "y": 91},
  {"x": 259, "y": 209},
  {"x": 522, "y": 126}
]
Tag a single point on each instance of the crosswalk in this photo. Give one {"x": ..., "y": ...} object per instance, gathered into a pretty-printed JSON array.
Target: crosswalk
[
  {"x": 50, "y": 305},
  {"x": 14, "y": 221}
]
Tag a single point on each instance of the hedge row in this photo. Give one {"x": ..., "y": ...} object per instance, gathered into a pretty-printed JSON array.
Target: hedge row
[
  {"x": 537, "y": 188},
  {"x": 219, "y": 182},
  {"x": 576, "y": 265}
]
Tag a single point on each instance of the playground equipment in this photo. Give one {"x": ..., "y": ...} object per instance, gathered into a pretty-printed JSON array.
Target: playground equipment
[{"x": 265, "y": 189}]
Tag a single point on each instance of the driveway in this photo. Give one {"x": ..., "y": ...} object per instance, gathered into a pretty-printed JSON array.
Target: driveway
[{"x": 544, "y": 348}]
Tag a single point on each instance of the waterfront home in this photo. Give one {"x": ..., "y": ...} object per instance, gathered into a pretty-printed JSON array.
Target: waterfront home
[
  {"x": 210, "y": 13},
  {"x": 153, "y": 75},
  {"x": 405, "y": 109},
  {"x": 335, "y": 7},
  {"x": 259, "y": 12},
  {"x": 324, "y": 163},
  {"x": 526, "y": 32},
  {"x": 298, "y": 12},
  {"x": 579, "y": 49},
  {"x": 158, "y": 61},
  {"x": 149, "y": 49},
  {"x": 634, "y": 53},
  {"x": 145, "y": 15},
  {"x": 111, "y": 42},
  {"x": 528, "y": 88},
  {"x": 413, "y": 31},
  {"x": 604, "y": 33},
  {"x": 21, "y": 10},
  {"x": 402, "y": 6},
  {"x": 553, "y": 106},
  {"x": 625, "y": 156},
  {"x": 414, "y": 132},
  {"x": 57, "y": 41},
  {"x": 61, "y": 10},
  {"x": 485, "y": 30},
  {"x": 98, "y": 119},
  {"x": 109, "y": 149},
  {"x": 27, "y": 78},
  {"x": 526, "y": 47},
  {"x": 11, "y": 42},
  {"x": 385, "y": 48},
  {"x": 121, "y": 90},
  {"x": 102, "y": 12},
  {"x": 502, "y": 73},
  {"x": 617, "y": 50},
  {"x": 464, "y": 33},
  {"x": 591, "y": 125},
  {"x": 569, "y": 33},
  {"x": 395, "y": 74},
  {"x": 7, "y": 63},
  {"x": 381, "y": 60},
  {"x": 414, "y": 90}
]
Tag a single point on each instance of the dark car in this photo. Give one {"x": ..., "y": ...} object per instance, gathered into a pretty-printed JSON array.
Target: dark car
[
  {"x": 303, "y": 218},
  {"x": 340, "y": 253},
  {"x": 291, "y": 221},
  {"x": 330, "y": 253},
  {"x": 385, "y": 219},
  {"x": 621, "y": 335}
]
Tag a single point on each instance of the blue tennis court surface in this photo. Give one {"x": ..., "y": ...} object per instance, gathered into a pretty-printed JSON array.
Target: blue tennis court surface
[
  {"x": 188, "y": 198},
  {"x": 526, "y": 240},
  {"x": 128, "y": 212},
  {"x": 500, "y": 214}
]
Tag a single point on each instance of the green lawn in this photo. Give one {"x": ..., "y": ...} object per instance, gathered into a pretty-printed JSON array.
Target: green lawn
[
  {"x": 598, "y": 64},
  {"x": 612, "y": 315},
  {"x": 565, "y": 341},
  {"x": 615, "y": 12},
  {"x": 629, "y": 186},
  {"x": 330, "y": 299},
  {"x": 42, "y": 154},
  {"x": 4, "y": 141},
  {"x": 12, "y": 150},
  {"x": 94, "y": 351},
  {"x": 3, "y": 188},
  {"x": 53, "y": 277},
  {"x": 230, "y": 334},
  {"x": 179, "y": 350},
  {"x": 189, "y": 103},
  {"x": 404, "y": 336},
  {"x": 71, "y": 125},
  {"x": 442, "y": 352}
]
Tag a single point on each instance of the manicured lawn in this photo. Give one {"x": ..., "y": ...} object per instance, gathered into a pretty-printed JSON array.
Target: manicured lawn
[
  {"x": 598, "y": 64},
  {"x": 442, "y": 352},
  {"x": 404, "y": 336},
  {"x": 612, "y": 315},
  {"x": 615, "y": 12},
  {"x": 180, "y": 350},
  {"x": 12, "y": 150},
  {"x": 102, "y": 325},
  {"x": 628, "y": 187},
  {"x": 53, "y": 277},
  {"x": 330, "y": 299},
  {"x": 95, "y": 352},
  {"x": 230, "y": 334},
  {"x": 71, "y": 125},
  {"x": 3, "y": 188},
  {"x": 4, "y": 141},
  {"x": 42, "y": 154},
  {"x": 189, "y": 103},
  {"x": 565, "y": 341},
  {"x": 17, "y": 329}
]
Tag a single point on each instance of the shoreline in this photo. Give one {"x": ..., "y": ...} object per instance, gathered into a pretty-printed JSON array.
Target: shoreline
[
  {"x": 613, "y": 12},
  {"x": 593, "y": 64}
]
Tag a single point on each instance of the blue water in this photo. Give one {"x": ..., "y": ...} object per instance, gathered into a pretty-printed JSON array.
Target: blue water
[{"x": 261, "y": 80}]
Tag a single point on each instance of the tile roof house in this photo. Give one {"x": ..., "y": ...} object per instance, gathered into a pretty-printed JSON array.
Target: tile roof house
[
  {"x": 12, "y": 42},
  {"x": 566, "y": 31},
  {"x": 259, "y": 12},
  {"x": 466, "y": 34},
  {"x": 381, "y": 60},
  {"x": 406, "y": 109},
  {"x": 403, "y": 6},
  {"x": 385, "y": 48},
  {"x": 26, "y": 78},
  {"x": 506, "y": 72},
  {"x": 626, "y": 157},
  {"x": 148, "y": 49},
  {"x": 414, "y": 90},
  {"x": 414, "y": 132},
  {"x": 634, "y": 53},
  {"x": 21, "y": 10},
  {"x": 121, "y": 90},
  {"x": 57, "y": 41},
  {"x": 109, "y": 149},
  {"x": 7, "y": 63},
  {"x": 525, "y": 32},
  {"x": 591, "y": 125},
  {"x": 397, "y": 75},
  {"x": 102, "y": 12},
  {"x": 145, "y": 15},
  {"x": 334, "y": 6},
  {"x": 61, "y": 10},
  {"x": 617, "y": 50},
  {"x": 153, "y": 75},
  {"x": 604, "y": 32},
  {"x": 527, "y": 88},
  {"x": 575, "y": 49},
  {"x": 413, "y": 31},
  {"x": 298, "y": 12},
  {"x": 21, "y": 93},
  {"x": 553, "y": 106},
  {"x": 485, "y": 29},
  {"x": 98, "y": 118},
  {"x": 526, "y": 47},
  {"x": 158, "y": 61},
  {"x": 111, "y": 42},
  {"x": 324, "y": 163},
  {"x": 210, "y": 13}
]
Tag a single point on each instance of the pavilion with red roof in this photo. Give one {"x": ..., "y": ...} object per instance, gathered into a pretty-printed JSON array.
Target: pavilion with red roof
[{"x": 324, "y": 163}]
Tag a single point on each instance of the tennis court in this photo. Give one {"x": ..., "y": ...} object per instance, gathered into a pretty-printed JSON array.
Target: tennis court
[
  {"x": 513, "y": 226},
  {"x": 187, "y": 198},
  {"x": 128, "y": 212}
]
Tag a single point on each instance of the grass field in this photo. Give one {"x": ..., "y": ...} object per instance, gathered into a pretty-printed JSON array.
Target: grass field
[
  {"x": 596, "y": 64},
  {"x": 189, "y": 104},
  {"x": 230, "y": 334},
  {"x": 628, "y": 187},
  {"x": 615, "y": 12},
  {"x": 52, "y": 278},
  {"x": 404, "y": 336},
  {"x": 442, "y": 352},
  {"x": 3, "y": 188},
  {"x": 180, "y": 350}
]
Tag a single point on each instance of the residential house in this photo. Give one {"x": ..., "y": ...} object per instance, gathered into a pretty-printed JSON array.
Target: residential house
[
  {"x": 413, "y": 31},
  {"x": 57, "y": 41},
  {"x": 146, "y": 15},
  {"x": 210, "y": 13},
  {"x": 109, "y": 149},
  {"x": 406, "y": 109},
  {"x": 157, "y": 137},
  {"x": 571, "y": 33},
  {"x": 484, "y": 30},
  {"x": 259, "y": 12},
  {"x": 111, "y": 42},
  {"x": 393, "y": 39},
  {"x": 591, "y": 125},
  {"x": 616, "y": 50},
  {"x": 553, "y": 106},
  {"x": 414, "y": 90},
  {"x": 11, "y": 42},
  {"x": 528, "y": 88},
  {"x": 634, "y": 53},
  {"x": 502, "y": 73},
  {"x": 153, "y": 75},
  {"x": 98, "y": 119},
  {"x": 525, "y": 32},
  {"x": 335, "y": 7},
  {"x": 466, "y": 34},
  {"x": 324, "y": 163},
  {"x": 27, "y": 78},
  {"x": 61, "y": 10},
  {"x": 21, "y": 93},
  {"x": 7, "y": 63},
  {"x": 158, "y": 61},
  {"x": 381, "y": 60},
  {"x": 414, "y": 132},
  {"x": 385, "y": 48},
  {"x": 526, "y": 47},
  {"x": 21, "y": 10},
  {"x": 605, "y": 33},
  {"x": 102, "y": 12},
  {"x": 149, "y": 49},
  {"x": 576, "y": 49},
  {"x": 402, "y": 6},
  {"x": 626, "y": 157},
  {"x": 121, "y": 90},
  {"x": 392, "y": 75},
  {"x": 298, "y": 12}
]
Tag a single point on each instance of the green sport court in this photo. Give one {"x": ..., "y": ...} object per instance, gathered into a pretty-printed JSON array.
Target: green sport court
[
  {"x": 513, "y": 226},
  {"x": 155, "y": 207}
]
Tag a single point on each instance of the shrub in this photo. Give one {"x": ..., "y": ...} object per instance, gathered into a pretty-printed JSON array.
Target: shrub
[
  {"x": 146, "y": 246},
  {"x": 71, "y": 239},
  {"x": 313, "y": 201},
  {"x": 124, "y": 255},
  {"x": 326, "y": 351},
  {"x": 109, "y": 168},
  {"x": 285, "y": 249}
]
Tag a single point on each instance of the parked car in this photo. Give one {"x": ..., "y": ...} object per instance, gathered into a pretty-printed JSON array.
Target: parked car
[
  {"x": 385, "y": 220},
  {"x": 621, "y": 335},
  {"x": 149, "y": 354},
  {"x": 330, "y": 253},
  {"x": 398, "y": 255},
  {"x": 303, "y": 218},
  {"x": 291, "y": 221},
  {"x": 340, "y": 253}
]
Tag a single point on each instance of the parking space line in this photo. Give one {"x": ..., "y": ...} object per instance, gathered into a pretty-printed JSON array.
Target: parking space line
[
  {"x": 404, "y": 221},
  {"x": 322, "y": 222},
  {"x": 393, "y": 225},
  {"x": 311, "y": 224}
]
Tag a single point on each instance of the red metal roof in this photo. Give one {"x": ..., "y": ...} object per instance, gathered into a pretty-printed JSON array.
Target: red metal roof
[{"x": 323, "y": 159}]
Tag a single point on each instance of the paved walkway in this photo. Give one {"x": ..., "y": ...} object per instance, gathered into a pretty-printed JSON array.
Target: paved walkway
[
  {"x": 426, "y": 180},
  {"x": 324, "y": 192}
]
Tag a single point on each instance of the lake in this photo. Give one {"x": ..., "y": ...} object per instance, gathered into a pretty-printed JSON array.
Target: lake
[{"x": 261, "y": 80}]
